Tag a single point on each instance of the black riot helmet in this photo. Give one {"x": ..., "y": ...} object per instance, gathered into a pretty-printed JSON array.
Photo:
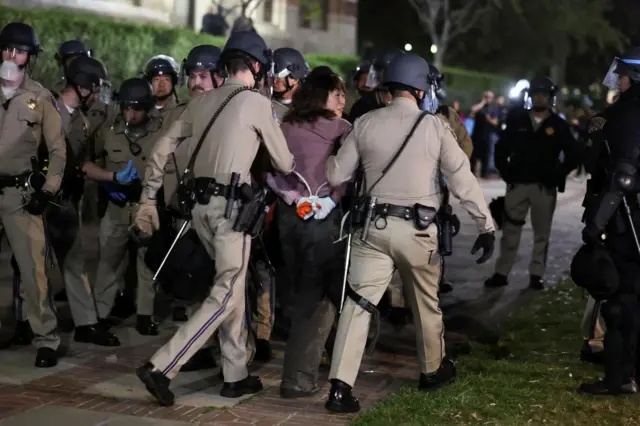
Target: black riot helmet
[
  {"x": 72, "y": 48},
  {"x": 20, "y": 36},
  {"x": 362, "y": 68},
  {"x": 248, "y": 46},
  {"x": 438, "y": 79},
  {"x": 204, "y": 56},
  {"x": 289, "y": 62},
  {"x": 89, "y": 73},
  {"x": 412, "y": 73},
  {"x": 162, "y": 65},
  {"x": 136, "y": 93},
  {"x": 379, "y": 65},
  {"x": 540, "y": 85}
]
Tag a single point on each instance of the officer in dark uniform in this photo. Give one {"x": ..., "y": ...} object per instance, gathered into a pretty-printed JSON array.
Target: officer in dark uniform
[
  {"x": 378, "y": 97},
  {"x": 528, "y": 157},
  {"x": 612, "y": 217}
]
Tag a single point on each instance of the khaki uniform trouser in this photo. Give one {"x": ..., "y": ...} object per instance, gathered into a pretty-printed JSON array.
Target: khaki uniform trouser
[
  {"x": 64, "y": 228},
  {"x": 224, "y": 308},
  {"x": 26, "y": 237},
  {"x": 113, "y": 260},
  {"x": 518, "y": 199},
  {"x": 594, "y": 335},
  {"x": 415, "y": 255}
]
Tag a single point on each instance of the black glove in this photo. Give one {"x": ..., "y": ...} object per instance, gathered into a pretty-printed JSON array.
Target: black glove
[
  {"x": 39, "y": 200},
  {"x": 591, "y": 234},
  {"x": 486, "y": 242},
  {"x": 455, "y": 225}
]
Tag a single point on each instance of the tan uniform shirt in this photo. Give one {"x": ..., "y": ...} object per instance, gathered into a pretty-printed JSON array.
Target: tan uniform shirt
[
  {"x": 119, "y": 148},
  {"x": 376, "y": 137},
  {"x": 165, "y": 110},
  {"x": 459, "y": 130},
  {"x": 31, "y": 115},
  {"x": 231, "y": 144}
]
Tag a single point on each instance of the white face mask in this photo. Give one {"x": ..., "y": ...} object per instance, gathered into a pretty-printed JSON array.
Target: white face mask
[{"x": 10, "y": 71}]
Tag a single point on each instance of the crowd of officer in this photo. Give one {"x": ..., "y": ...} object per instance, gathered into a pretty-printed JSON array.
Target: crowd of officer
[{"x": 194, "y": 193}]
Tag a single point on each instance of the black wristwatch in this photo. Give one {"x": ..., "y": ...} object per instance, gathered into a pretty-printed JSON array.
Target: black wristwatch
[{"x": 115, "y": 177}]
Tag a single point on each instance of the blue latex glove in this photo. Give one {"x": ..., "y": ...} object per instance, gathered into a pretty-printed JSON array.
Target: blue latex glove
[
  {"x": 127, "y": 175},
  {"x": 326, "y": 206},
  {"x": 112, "y": 191}
]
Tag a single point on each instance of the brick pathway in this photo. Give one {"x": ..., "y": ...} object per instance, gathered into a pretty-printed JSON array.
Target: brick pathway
[{"x": 97, "y": 386}]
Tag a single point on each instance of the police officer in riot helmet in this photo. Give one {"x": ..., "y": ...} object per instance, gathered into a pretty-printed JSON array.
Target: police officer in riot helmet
[
  {"x": 374, "y": 254},
  {"x": 438, "y": 80},
  {"x": 201, "y": 68},
  {"x": 379, "y": 96},
  {"x": 528, "y": 157},
  {"x": 89, "y": 78},
  {"x": 71, "y": 49},
  {"x": 289, "y": 70},
  {"x": 162, "y": 72},
  {"x": 360, "y": 77},
  {"x": 612, "y": 221}
]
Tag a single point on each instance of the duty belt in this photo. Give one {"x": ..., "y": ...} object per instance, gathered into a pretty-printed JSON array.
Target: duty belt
[
  {"x": 205, "y": 188},
  {"x": 14, "y": 181},
  {"x": 402, "y": 212}
]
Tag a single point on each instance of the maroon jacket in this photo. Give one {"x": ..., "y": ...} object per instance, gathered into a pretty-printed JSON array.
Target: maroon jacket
[{"x": 311, "y": 144}]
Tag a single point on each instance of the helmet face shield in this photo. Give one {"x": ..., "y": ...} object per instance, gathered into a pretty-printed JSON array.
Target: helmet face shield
[
  {"x": 373, "y": 78},
  {"x": 429, "y": 102},
  {"x": 105, "y": 92},
  {"x": 618, "y": 68}
]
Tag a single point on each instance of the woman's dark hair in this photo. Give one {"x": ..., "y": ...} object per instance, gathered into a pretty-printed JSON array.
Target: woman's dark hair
[{"x": 308, "y": 103}]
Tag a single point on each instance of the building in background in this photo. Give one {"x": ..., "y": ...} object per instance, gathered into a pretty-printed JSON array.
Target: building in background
[{"x": 311, "y": 26}]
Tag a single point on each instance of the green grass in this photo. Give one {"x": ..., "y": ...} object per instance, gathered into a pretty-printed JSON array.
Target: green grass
[{"x": 534, "y": 385}]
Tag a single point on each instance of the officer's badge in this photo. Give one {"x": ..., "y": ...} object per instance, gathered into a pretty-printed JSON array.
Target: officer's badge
[
  {"x": 549, "y": 131},
  {"x": 596, "y": 124},
  {"x": 32, "y": 104}
]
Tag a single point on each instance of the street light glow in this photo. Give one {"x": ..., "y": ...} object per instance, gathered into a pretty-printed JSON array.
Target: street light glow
[
  {"x": 434, "y": 49},
  {"x": 408, "y": 47}
]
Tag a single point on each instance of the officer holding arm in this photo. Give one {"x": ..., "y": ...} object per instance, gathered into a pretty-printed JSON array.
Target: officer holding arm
[
  {"x": 401, "y": 233},
  {"x": 243, "y": 122},
  {"x": 28, "y": 118}
]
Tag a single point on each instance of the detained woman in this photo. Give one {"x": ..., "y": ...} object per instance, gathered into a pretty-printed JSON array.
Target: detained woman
[{"x": 308, "y": 219}]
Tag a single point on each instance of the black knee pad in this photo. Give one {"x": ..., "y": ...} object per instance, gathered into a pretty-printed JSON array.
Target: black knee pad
[{"x": 613, "y": 314}]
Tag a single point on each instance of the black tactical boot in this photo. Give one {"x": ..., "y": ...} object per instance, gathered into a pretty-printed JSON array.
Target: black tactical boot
[
  {"x": 201, "y": 360},
  {"x": 157, "y": 384},
  {"x": 497, "y": 280},
  {"x": 444, "y": 376},
  {"x": 95, "y": 334},
  {"x": 587, "y": 354},
  {"x": 536, "y": 283},
  {"x": 247, "y": 386},
  {"x": 146, "y": 326},
  {"x": 46, "y": 358},
  {"x": 340, "y": 399},
  {"x": 298, "y": 392},
  {"x": 263, "y": 351},
  {"x": 180, "y": 314},
  {"x": 22, "y": 335}
]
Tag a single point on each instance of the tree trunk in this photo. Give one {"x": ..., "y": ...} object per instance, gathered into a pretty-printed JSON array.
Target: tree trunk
[{"x": 438, "y": 58}]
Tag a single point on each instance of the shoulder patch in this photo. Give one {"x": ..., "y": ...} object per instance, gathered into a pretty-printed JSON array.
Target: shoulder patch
[{"x": 596, "y": 124}]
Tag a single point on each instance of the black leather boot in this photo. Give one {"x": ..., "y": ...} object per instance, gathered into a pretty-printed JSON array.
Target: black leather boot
[
  {"x": 46, "y": 358},
  {"x": 146, "y": 326},
  {"x": 263, "y": 351},
  {"x": 600, "y": 388},
  {"x": 247, "y": 386},
  {"x": 157, "y": 384},
  {"x": 340, "y": 399},
  {"x": 95, "y": 334},
  {"x": 444, "y": 376}
]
